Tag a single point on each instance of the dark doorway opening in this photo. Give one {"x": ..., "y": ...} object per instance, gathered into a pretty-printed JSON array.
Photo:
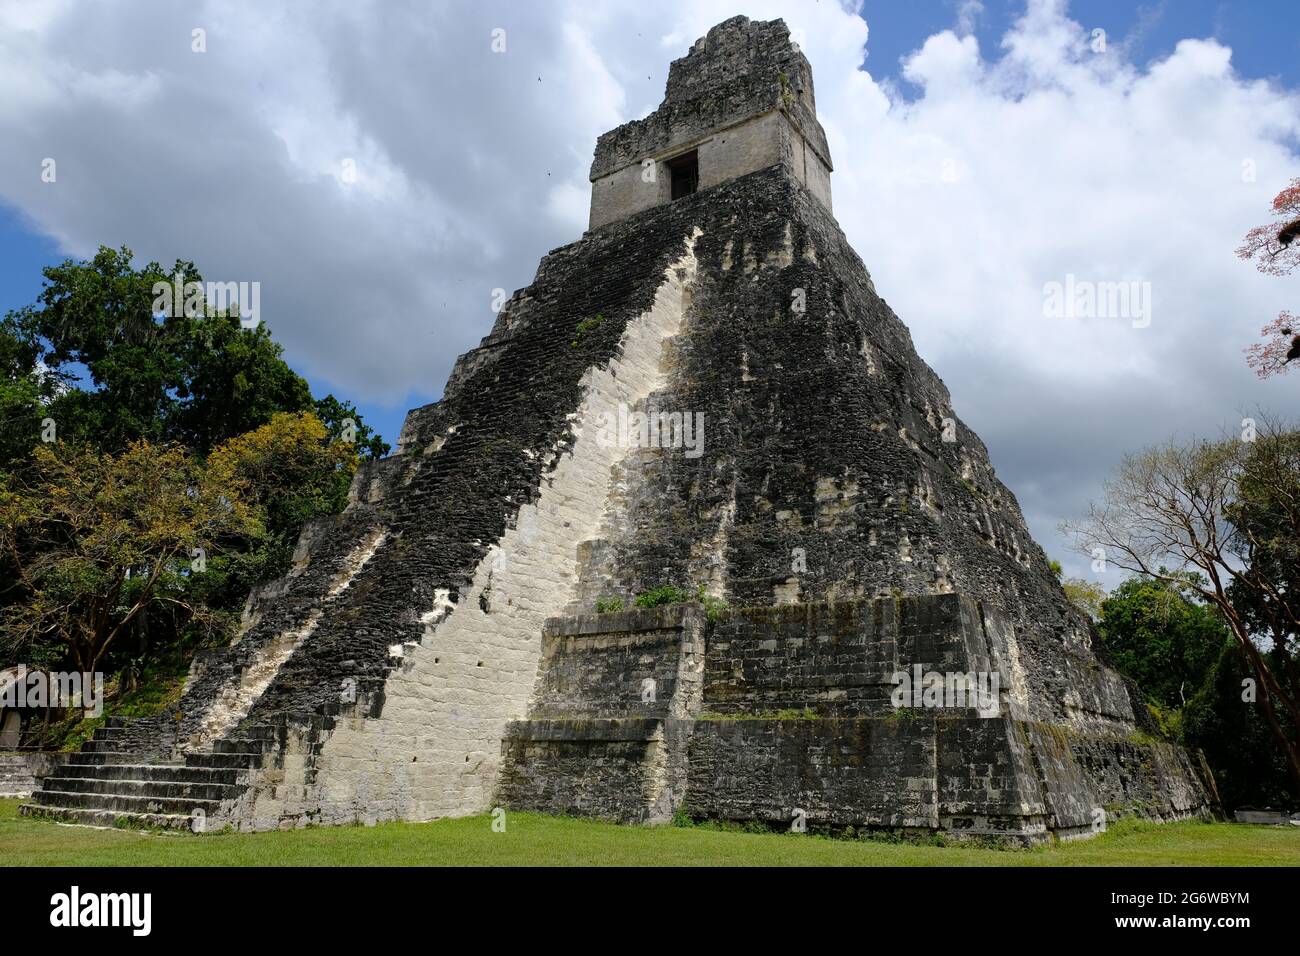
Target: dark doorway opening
[{"x": 685, "y": 170}]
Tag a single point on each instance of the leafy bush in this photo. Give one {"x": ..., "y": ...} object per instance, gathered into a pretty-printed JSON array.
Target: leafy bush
[{"x": 663, "y": 595}]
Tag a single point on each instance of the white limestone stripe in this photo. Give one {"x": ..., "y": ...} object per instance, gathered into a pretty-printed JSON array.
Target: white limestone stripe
[
  {"x": 436, "y": 749},
  {"x": 233, "y": 702}
]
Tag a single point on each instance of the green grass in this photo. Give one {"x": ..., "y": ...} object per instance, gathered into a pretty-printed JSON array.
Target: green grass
[{"x": 538, "y": 840}]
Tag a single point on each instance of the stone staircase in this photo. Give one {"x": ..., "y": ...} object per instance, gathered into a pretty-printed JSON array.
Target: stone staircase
[{"x": 111, "y": 783}]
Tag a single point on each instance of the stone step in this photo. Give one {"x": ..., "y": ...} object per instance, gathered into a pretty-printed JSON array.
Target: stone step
[
  {"x": 225, "y": 761},
  {"x": 167, "y": 789},
  {"x": 98, "y": 745},
  {"x": 242, "y": 745},
  {"x": 263, "y": 732},
  {"x": 156, "y": 771},
  {"x": 96, "y": 758},
  {"x": 82, "y": 816},
  {"x": 301, "y": 720},
  {"x": 127, "y": 804}
]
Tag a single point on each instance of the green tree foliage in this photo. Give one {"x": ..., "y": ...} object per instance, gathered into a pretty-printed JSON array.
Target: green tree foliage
[
  {"x": 230, "y": 380},
  {"x": 98, "y": 542},
  {"x": 1086, "y": 595},
  {"x": 292, "y": 471},
  {"x": 1160, "y": 638},
  {"x": 1265, "y": 517},
  {"x": 1083, "y": 594},
  {"x": 344, "y": 423},
  {"x": 24, "y": 392},
  {"x": 1219, "y": 520},
  {"x": 109, "y": 370},
  {"x": 1224, "y": 723},
  {"x": 94, "y": 324},
  {"x": 1182, "y": 655},
  {"x": 187, "y": 457}
]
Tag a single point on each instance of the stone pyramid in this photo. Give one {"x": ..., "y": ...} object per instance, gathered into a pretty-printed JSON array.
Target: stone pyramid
[{"x": 703, "y": 398}]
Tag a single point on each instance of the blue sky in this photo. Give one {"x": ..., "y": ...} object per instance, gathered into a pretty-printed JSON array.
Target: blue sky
[
  {"x": 1264, "y": 34},
  {"x": 471, "y": 168}
]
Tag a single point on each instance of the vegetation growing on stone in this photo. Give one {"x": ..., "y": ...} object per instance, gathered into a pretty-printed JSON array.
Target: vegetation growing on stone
[
  {"x": 585, "y": 326},
  {"x": 662, "y": 595}
]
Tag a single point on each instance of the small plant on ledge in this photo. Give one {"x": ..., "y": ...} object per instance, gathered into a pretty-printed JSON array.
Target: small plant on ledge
[
  {"x": 662, "y": 595},
  {"x": 585, "y": 326}
]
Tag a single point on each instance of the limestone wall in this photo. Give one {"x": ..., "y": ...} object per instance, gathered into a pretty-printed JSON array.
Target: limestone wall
[
  {"x": 611, "y": 718},
  {"x": 839, "y": 658},
  {"x": 755, "y": 143},
  {"x": 743, "y": 97},
  {"x": 629, "y": 770},
  {"x": 634, "y": 663},
  {"x": 741, "y": 68},
  {"x": 792, "y": 721},
  {"x": 22, "y": 772}
]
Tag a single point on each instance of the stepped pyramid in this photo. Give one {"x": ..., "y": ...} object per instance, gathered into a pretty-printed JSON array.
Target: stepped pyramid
[{"x": 703, "y": 392}]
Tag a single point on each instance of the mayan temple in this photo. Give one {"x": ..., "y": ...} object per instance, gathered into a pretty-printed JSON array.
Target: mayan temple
[{"x": 704, "y": 393}]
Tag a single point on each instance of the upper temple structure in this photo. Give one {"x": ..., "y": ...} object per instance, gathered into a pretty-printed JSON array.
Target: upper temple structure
[
  {"x": 692, "y": 532},
  {"x": 740, "y": 101}
]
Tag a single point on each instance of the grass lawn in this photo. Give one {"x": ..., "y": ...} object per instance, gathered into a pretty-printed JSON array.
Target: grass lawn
[{"x": 537, "y": 840}]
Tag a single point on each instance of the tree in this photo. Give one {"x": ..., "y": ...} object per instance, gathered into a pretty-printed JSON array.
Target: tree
[
  {"x": 1275, "y": 249},
  {"x": 97, "y": 541},
  {"x": 95, "y": 320},
  {"x": 146, "y": 398},
  {"x": 1224, "y": 724},
  {"x": 1182, "y": 655},
  {"x": 113, "y": 371},
  {"x": 1266, "y": 518},
  {"x": 1160, "y": 638},
  {"x": 230, "y": 380},
  {"x": 1170, "y": 510},
  {"x": 1085, "y": 595},
  {"x": 24, "y": 392},
  {"x": 292, "y": 471},
  {"x": 344, "y": 424}
]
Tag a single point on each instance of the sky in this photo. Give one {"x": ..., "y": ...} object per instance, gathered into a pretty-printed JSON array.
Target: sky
[{"x": 381, "y": 172}]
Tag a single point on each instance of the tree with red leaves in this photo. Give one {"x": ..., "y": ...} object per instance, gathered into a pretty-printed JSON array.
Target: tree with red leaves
[{"x": 1275, "y": 250}]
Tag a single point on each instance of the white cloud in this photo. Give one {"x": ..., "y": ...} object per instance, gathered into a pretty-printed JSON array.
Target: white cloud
[
  {"x": 968, "y": 15},
  {"x": 1069, "y": 162},
  {"x": 1000, "y": 171}
]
